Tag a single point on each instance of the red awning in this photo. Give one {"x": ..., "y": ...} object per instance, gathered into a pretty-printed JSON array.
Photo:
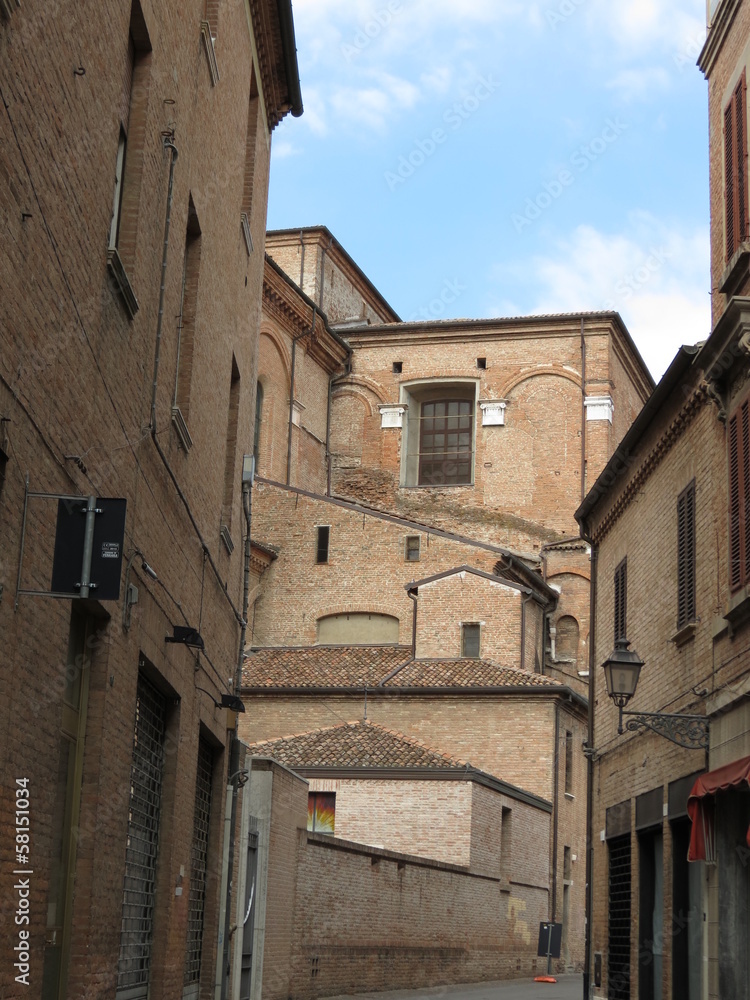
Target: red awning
[{"x": 701, "y": 806}]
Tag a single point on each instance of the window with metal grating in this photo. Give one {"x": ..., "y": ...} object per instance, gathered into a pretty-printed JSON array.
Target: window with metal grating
[
  {"x": 199, "y": 864},
  {"x": 323, "y": 534},
  {"x": 139, "y": 889},
  {"x": 686, "y": 556},
  {"x": 618, "y": 960},
  {"x": 735, "y": 170},
  {"x": 470, "y": 636},
  {"x": 739, "y": 494},
  {"x": 621, "y": 600},
  {"x": 446, "y": 442}
]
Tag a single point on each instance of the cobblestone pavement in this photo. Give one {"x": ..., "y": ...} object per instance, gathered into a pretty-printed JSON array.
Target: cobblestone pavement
[{"x": 566, "y": 988}]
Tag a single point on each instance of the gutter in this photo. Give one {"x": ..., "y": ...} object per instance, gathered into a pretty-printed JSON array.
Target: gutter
[
  {"x": 536, "y": 690},
  {"x": 289, "y": 45}
]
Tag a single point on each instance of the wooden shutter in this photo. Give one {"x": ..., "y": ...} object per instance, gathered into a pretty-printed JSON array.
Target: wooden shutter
[
  {"x": 735, "y": 169},
  {"x": 621, "y": 599},
  {"x": 739, "y": 495},
  {"x": 686, "y": 556}
]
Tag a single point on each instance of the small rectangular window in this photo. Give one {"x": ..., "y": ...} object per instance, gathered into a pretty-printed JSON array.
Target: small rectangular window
[
  {"x": 324, "y": 534},
  {"x": 398, "y": 367},
  {"x": 3, "y": 467},
  {"x": 686, "y": 556},
  {"x": 738, "y": 430},
  {"x": 621, "y": 600},
  {"x": 566, "y": 863},
  {"x": 569, "y": 763},
  {"x": 470, "y": 639},
  {"x": 412, "y": 548},
  {"x": 321, "y": 812},
  {"x": 481, "y": 362}
]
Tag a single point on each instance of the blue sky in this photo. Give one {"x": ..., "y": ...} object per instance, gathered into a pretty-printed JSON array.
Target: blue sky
[{"x": 505, "y": 157}]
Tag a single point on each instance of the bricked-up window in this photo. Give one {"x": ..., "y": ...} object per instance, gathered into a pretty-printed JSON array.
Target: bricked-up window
[
  {"x": 251, "y": 162},
  {"x": 199, "y": 864},
  {"x": 230, "y": 459},
  {"x": 446, "y": 438},
  {"x": 188, "y": 309},
  {"x": 411, "y": 551},
  {"x": 211, "y": 14},
  {"x": 686, "y": 556},
  {"x": 139, "y": 892},
  {"x": 621, "y": 600},
  {"x": 130, "y": 150},
  {"x": 323, "y": 534},
  {"x": 321, "y": 812},
  {"x": 735, "y": 168},
  {"x": 739, "y": 494},
  {"x": 569, "y": 763},
  {"x": 470, "y": 632}
]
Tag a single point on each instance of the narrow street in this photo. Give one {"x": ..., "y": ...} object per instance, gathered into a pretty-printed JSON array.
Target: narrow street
[{"x": 566, "y": 988}]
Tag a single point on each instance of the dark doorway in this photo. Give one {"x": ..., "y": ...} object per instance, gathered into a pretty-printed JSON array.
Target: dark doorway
[
  {"x": 687, "y": 916},
  {"x": 650, "y": 913},
  {"x": 618, "y": 953}
]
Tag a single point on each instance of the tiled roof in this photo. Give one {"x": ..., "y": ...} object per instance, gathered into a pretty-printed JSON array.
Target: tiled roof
[
  {"x": 354, "y": 744},
  {"x": 466, "y": 673},
  {"x": 369, "y": 666},
  {"x": 322, "y": 666}
]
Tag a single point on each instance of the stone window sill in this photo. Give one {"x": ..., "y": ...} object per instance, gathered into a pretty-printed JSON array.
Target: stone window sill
[
  {"x": 685, "y": 634},
  {"x": 739, "y": 607},
  {"x": 115, "y": 265},
  {"x": 570, "y": 795}
]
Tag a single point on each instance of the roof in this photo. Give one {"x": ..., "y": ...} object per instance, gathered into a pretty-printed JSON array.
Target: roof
[
  {"x": 544, "y": 594},
  {"x": 363, "y": 749},
  {"x": 387, "y": 667},
  {"x": 354, "y": 744}
]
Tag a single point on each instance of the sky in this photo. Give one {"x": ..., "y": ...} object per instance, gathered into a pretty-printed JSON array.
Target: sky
[{"x": 483, "y": 158}]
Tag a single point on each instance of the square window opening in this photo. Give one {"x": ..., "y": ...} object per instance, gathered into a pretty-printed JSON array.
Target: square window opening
[
  {"x": 412, "y": 548},
  {"x": 470, "y": 633},
  {"x": 481, "y": 363},
  {"x": 398, "y": 367}
]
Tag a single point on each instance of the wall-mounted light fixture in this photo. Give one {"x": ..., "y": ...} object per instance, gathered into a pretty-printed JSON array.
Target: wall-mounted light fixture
[{"x": 621, "y": 672}]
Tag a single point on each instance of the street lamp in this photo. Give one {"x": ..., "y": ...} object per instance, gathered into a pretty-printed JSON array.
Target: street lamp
[{"x": 622, "y": 668}]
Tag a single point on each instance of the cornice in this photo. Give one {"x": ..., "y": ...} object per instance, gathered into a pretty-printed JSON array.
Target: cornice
[
  {"x": 717, "y": 33},
  {"x": 654, "y": 458}
]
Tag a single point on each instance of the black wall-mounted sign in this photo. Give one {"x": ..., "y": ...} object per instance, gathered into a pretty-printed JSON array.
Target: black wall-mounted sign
[
  {"x": 106, "y": 556},
  {"x": 550, "y": 940}
]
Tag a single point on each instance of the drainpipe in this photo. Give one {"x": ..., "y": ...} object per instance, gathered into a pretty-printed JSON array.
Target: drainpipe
[
  {"x": 323, "y": 271},
  {"x": 556, "y": 813},
  {"x": 583, "y": 413},
  {"x": 299, "y": 336},
  {"x": 590, "y": 772},
  {"x": 302, "y": 260},
  {"x": 168, "y": 144},
  {"x": 413, "y": 595},
  {"x": 524, "y": 601}
]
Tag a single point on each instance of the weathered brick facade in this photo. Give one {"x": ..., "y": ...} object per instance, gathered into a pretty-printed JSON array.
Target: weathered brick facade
[{"x": 124, "y": 106}]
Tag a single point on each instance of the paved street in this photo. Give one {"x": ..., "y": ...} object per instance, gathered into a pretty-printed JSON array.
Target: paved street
[{"x": 566, "y": 988}]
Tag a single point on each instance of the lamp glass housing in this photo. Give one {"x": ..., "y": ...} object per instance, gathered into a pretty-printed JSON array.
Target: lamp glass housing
[{"x": 621, "y": 672}]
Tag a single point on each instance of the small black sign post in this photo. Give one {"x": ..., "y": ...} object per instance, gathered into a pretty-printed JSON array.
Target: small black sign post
[
  {"x": 88, "y": 548},
  {"x": 550, "y": 941}
]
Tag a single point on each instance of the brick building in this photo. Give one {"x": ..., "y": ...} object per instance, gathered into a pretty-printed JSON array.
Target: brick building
[
  {"x": 134, "y": 154},
  {"x": 463, "y": 447},
  {"x": 668, "y": 521}
]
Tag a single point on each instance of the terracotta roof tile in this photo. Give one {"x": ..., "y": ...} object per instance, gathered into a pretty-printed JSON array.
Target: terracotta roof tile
[
  {"x": 354, "y": 744},
  {"x": 369, "y": 666},
  {"x": 322, "y": 666}
]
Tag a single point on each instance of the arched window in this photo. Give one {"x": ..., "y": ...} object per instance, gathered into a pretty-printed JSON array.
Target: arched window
[
  {"x": 258, "y": 418},
  {"x": 358, "y": 628}
]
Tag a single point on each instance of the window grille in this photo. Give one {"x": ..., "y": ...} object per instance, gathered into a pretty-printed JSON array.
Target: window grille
[
  {"x": 139, "y": 890},
  {"x": 412, "y": 548},
  {"x": 621, "y": 600},
  {"x": 470, "y": 639},
  {"x": 618, "y": 961},
  {"x": 199, "y": 864},
  {"x": 686, "y": 556},
  {"x": 569, "y": 762},
  {"x": 445, "y": 442}
]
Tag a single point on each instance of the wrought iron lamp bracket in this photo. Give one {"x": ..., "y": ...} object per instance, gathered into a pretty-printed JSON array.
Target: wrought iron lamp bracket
[{"x": 689, "y": 731}]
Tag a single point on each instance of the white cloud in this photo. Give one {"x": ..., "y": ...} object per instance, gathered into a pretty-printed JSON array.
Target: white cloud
[
  {"x": 639, "y": 84},
  {"x": 642, "y": 24},
  {"x": 283, "y": 148},
  {"x": 655, "y": 276}
]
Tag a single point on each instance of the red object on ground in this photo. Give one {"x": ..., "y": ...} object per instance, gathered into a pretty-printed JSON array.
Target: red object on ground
[
  {"x": 701, "y": 806},
  {"x": 544, "y": 979}
]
